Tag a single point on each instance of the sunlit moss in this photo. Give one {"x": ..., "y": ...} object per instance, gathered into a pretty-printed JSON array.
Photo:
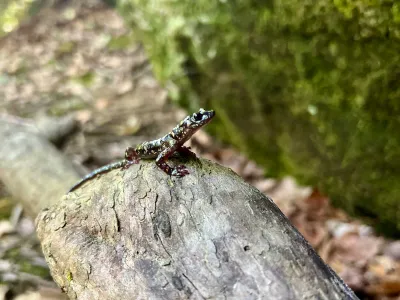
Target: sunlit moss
[
  {"x": 69, "y": 276},
  {"x": 120, "y": 42},
  {"x": 12, "y": 13},
  {"x": 6, "y": 206}
]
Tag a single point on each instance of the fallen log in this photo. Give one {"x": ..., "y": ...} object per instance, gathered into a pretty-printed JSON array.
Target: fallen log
[
  {"x": 33, "y": 171},
  {"x": 140, "y": 234}
]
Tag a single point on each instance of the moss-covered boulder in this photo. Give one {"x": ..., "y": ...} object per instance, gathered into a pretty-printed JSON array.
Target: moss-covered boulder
[{"x": 308, "y": 88}]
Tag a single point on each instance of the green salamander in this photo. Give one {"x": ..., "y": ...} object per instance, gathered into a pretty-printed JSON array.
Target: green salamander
[{"x": 160, "y": 149}]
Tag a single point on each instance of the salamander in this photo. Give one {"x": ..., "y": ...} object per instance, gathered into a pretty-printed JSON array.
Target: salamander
[{"x": 160, "y": 149}]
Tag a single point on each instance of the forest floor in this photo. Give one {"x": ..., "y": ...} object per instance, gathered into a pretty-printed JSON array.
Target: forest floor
[{"x": 83, "y": 60}]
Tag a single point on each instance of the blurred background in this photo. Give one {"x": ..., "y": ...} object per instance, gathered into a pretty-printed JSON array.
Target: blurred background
[{"x": 306, "y": 92}]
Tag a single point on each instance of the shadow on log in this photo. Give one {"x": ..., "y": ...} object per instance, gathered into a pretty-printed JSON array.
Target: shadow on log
[{"x": 139, "y": 234}]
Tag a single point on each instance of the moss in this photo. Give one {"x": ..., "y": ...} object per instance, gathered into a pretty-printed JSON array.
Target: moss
[
  {"x": 65, "y": 48},
  {"x": 27, "y": 267},
  {"x": 6, "y": 207},
  {"x": 86, "y": 79},
  {"x": 62, "y": 105},
  {"x": 120, "y": 42},
  {"x": 303, "y": 87},
  {"x": 23, "y": 264},
  {"x": 11, "y": 13},
  {"x": 69, "y": 276}
]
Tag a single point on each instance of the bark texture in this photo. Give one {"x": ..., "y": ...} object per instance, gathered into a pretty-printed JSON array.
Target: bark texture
[{"x": 139, "y": 234}]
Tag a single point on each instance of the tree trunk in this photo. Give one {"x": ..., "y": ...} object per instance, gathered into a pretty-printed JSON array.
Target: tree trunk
[{"x": 140, "y": 234}]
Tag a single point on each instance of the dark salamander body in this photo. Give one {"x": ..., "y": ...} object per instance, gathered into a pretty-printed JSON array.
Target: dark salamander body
[{"x": 160, "y": 149}]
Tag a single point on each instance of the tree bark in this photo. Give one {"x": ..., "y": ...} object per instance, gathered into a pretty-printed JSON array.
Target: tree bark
[{"x": 140, "y": 234}]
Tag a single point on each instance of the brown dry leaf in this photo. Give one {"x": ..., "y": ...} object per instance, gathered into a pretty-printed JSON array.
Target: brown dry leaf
[
  {"x": 45, "y": 79},
  {"x": 265, "y": 184},
  {"x": 252, "y": 170},
  {"x": 124, "y": 87},
  {"x": 386, "y": 287},
  {"x": 382, "y": 266},
  {"x": 338, "y": 214},
  {"x": 352, "y": 248},
  {"x": 78, "y": 66},
  {"x": 83, "y": 116},
  {"x": 393, "y": 250},
  {"x": 102, "y": 103},
  {"x": 228, "y": 158},
  {"x": 316, "y": 205},
  {"x": 232, "y": 160},
  {"x": 288, "y": 190},
  {"x": 353, "y": 277},
  {"x": 111, "y": 61},
  {"x": 325, "y": 250},
  {"x": 314, "y": 232}
]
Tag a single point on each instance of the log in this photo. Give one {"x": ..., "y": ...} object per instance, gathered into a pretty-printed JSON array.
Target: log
[
  {"x": 140, "y": 234},
  {"x": 31, "y": 168}
]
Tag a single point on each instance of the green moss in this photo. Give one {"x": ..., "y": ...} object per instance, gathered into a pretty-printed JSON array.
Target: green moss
[
  {"x": 86, "y": 79},
  {"x": 303, "y": 87},
  {"x": 120, "y": 42},
  {"x": 23, "y": 264},
  {"x": 69, "y": 276},
  {"x": 65, "y": 48},
  {"x": 11, "y": 13},
  {"x": 62, "y": 105},
  {"x": 6, "y": 207},
  {"x": 27, "y": 267}
]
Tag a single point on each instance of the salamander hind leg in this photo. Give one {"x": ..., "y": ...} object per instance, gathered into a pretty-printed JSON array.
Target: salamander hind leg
[{"x": 178, "y": 171}]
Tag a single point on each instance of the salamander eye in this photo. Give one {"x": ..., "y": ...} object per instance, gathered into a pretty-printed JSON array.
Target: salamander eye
[{"x": 197, "y": 117}]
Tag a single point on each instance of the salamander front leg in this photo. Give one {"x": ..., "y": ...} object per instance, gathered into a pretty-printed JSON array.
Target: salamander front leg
[{"x": 178, "y": 171}]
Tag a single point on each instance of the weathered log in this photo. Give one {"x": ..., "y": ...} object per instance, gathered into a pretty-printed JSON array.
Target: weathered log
[
  {"x": 139, "y": 234},
  {"x": 31, "y": 168}
]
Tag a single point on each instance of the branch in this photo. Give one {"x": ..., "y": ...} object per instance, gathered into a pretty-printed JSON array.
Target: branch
[{"x": 31, "y": 168}]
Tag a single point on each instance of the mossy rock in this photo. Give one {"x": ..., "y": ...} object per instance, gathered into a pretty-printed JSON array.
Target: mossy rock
[{"x": 303, "y": 87}]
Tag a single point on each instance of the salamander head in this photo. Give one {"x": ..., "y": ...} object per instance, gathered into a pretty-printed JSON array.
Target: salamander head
[
  {"x": 189, "y": 125},
  {"x": 200, "y": 118}
]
